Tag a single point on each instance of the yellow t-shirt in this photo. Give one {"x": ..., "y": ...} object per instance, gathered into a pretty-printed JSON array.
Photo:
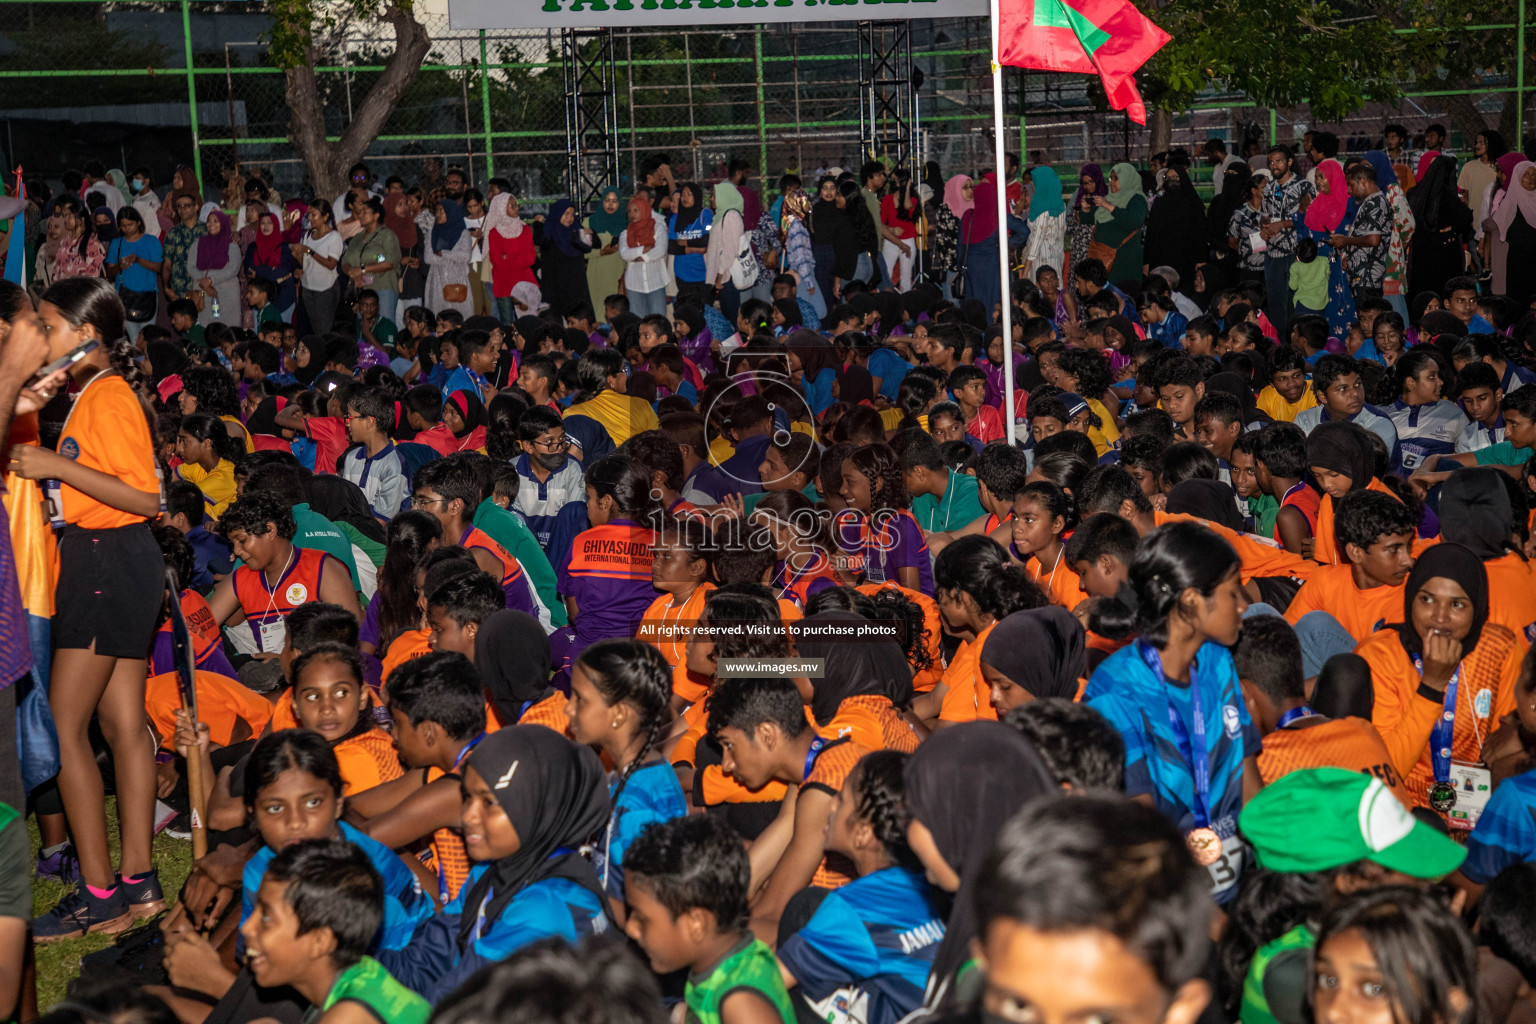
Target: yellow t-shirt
[
  {"x": 217, "y": 484},
  {"x": 622, "y": 416},
  {"x": 1106, "y": 436},
  {"x": 1271, "y": 402}
]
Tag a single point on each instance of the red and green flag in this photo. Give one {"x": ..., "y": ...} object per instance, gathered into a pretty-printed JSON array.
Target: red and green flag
[{"x": 1109, "y": 38}]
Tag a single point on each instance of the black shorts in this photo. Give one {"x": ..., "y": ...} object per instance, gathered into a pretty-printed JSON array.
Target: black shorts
[{"x": 111, "y": 590}]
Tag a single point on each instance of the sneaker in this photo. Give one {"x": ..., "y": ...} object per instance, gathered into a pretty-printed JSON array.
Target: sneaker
[
  {"x": 145, "y": 899},
  {"x": 81, "y": 912},
  {"x": 176, "y": 832},
  {"x": 62, "y": 866}
]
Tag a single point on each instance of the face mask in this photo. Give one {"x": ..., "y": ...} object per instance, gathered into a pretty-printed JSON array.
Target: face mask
[
  {"x": 551, "y": 461},
  {"x": 137, "y": 185}
]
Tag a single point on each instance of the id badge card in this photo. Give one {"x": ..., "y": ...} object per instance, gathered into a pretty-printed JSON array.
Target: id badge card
[
  {"x": 270, "y": 636},
  {"x": 1474, "y": 784}
]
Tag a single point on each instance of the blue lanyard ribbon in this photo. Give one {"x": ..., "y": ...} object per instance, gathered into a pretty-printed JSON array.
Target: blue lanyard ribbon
[
  {"x": 1444, "y": 732},
  {"x": 1290, "y": 716},
  {"x": 471, "y": 745},
  {"x": 817, "y": 745},
  {"x": 1197, "y": 753}
]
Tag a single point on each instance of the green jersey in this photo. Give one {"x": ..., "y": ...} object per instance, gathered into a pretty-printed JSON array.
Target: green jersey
[
  {"x": 1275, "y": 990},
  {"x": 508, "y": 529},
  {"x": 368, "y": 983},
  {"x": 751, "y": 965}
]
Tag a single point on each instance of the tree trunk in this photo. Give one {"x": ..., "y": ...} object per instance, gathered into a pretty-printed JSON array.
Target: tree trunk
[
  {"x": 1162, "y": 129},
  {"x": 327, "y": 162}
]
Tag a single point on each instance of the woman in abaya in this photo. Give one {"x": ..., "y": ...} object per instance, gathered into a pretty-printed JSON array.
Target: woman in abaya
[
  {"x": 1442, "y": 224},
  {"x": 1173, "y": 235}
]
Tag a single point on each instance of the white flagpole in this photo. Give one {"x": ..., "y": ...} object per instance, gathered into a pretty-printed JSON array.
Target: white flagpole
[{"x": 1002, "y": 224}]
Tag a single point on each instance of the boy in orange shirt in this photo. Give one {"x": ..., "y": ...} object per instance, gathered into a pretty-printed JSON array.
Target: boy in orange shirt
[
  {"x": 1268, "y": 659},
  {"x": 1375, "y": 533}
]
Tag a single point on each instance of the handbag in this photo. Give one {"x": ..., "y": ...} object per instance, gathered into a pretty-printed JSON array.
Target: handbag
[
  {"x": 139, "y": 307},
  {"x": 1105, "y": 253},
  {"x": 745, "y": 268},
  {"x": 455, "y": 292}
]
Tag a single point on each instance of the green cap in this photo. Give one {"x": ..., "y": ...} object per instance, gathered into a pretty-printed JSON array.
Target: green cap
[{"x": 1321, "y": 818}]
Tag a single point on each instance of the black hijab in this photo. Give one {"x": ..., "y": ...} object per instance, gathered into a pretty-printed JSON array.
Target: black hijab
[
  {"x": 1453, "y": 562},
  {"x": 512, "y": 657},
  {"x": 686, "y": 215},
  {"x": 471, "y": 410},
  {"x": 963, "y": 783},
  {"x": 1210, "y": 500},
  {"x": 854, "y": 667},
  {"x": 315, "y": 346},
  {"x": 855, "y": 385},
  {"x": 1342, "y": 447},
  {"x": 1043, "y": 650},
  {"x": 1475, "y": 512},
  {"x": 1234, "y": 193},
  {"x": 789, "y": 309},
  {"x": 1432, "y": 198},
  {"x": 263, "y": 419},
  {"x": 342, "y": 501},
  {"x": 556, "y": 795},
  {"x": 166, "y": 358}
]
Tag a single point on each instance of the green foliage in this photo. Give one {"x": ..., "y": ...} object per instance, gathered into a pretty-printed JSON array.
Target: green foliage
[
  {"x": 295, "y": 23},
  {"x": 1333, "y": 56}
]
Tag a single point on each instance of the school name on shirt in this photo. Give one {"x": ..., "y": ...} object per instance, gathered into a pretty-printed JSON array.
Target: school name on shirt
[
  {"x": 924, "y": 935},
  {"x": 615, "y": 549}
]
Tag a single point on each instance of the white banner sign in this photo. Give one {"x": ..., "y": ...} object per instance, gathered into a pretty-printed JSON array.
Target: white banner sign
[{"x": 477, "y": 14}]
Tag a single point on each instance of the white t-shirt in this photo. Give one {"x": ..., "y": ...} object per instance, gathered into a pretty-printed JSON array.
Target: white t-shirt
[
  {"x": 477, "y": 254},
  {"x": 316, "y": 278}
]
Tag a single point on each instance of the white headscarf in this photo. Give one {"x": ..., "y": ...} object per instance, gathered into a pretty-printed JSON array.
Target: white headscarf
[
  {"x": 1516, "y": 197},
  {"x": 202, "y": 215},
  {"x": 497, "y": 218}
]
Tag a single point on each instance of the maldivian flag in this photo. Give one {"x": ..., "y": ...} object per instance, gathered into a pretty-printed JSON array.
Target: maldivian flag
[{"x": 1110, "y": 38}]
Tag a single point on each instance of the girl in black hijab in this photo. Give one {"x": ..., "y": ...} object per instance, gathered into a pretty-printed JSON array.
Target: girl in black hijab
[
  {"x": 1445, "y": 656},
  {"x": 1032, "y": 654},
  {"x": 962, "y": 785},
  {"x": 512, "y": 657},
  {"x": 1442, "y": 223},
  {"x": 531, "y": 798}
]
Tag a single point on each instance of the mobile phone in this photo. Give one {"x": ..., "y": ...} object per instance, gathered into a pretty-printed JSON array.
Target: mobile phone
[{"x": 69, "y": 358}]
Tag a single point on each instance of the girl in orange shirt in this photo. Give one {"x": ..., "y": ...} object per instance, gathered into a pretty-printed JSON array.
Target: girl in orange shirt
[
  {"x": 1042, "y": 518},
  {"x": 975, "y": 586},
  {"x": 104, "y": 488},
  {"x": 1445, "y": 658}
]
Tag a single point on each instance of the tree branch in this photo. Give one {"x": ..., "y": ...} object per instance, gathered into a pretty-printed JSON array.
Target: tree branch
[{"x": 369, "y": 117}]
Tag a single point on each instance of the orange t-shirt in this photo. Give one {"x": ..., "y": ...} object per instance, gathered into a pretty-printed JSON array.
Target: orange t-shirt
[
  {"x": 106, "y": 431},
  {"x": 968, "y": 697},
  {"x": 1512, "y": 595},
  {"x": 873, "y": 723},
  {"x": 1061, "y": 585},
  {"x": 408, "y": 645},
  {"x": 1261, "y": 557},
  {"x": 221, "y": 703},
  {"x": 549, "y": 712},
  {"x": 1325, "y": 543},
  {"x": 1485, "y": 693},
  {"x": 1351, "y": 743},
  {"x": 665, "y": 626},
  {"x": 449, "y": 858},
  {"x": 929, "y": 677},
  {"x": 367, "y": 760},
  {"x": 828, "y": 774},
  {"x": 1361, "y": 612}
]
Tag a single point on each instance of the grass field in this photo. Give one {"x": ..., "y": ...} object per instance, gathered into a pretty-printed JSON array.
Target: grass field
[{"x": 59, "y": 963}]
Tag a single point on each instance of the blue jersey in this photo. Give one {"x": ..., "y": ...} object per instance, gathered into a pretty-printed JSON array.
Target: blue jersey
[
  {"x": 405, "y": 905},
  {"x": 652, "y": 794},
  {"x": 1426, "y": 432},
  {"x": 1124, "y": 690},
  {"x": 433, "y": 964},
  {"x": 865, "y": 954},
  {"x": 552, "y": 507},
  {"x": 1506, "y": 832},
  {"x": 888, "y": 365}
]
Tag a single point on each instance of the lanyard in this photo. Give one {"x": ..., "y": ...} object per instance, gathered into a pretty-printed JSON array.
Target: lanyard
[
  {"x": 817, "y": 746},
  {"x": 1444, "y": 732},
  {"x": 465, "y": 752},
  {"x": 1196, "y": 752},
  {"x": 1292, "y": 715},
  {"x": 479, "y": 929}
]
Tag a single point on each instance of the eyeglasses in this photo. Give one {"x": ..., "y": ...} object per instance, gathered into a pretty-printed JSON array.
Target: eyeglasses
[
  {"x": 417, "y": 501},
  {"x": 554, "y": 446}
]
